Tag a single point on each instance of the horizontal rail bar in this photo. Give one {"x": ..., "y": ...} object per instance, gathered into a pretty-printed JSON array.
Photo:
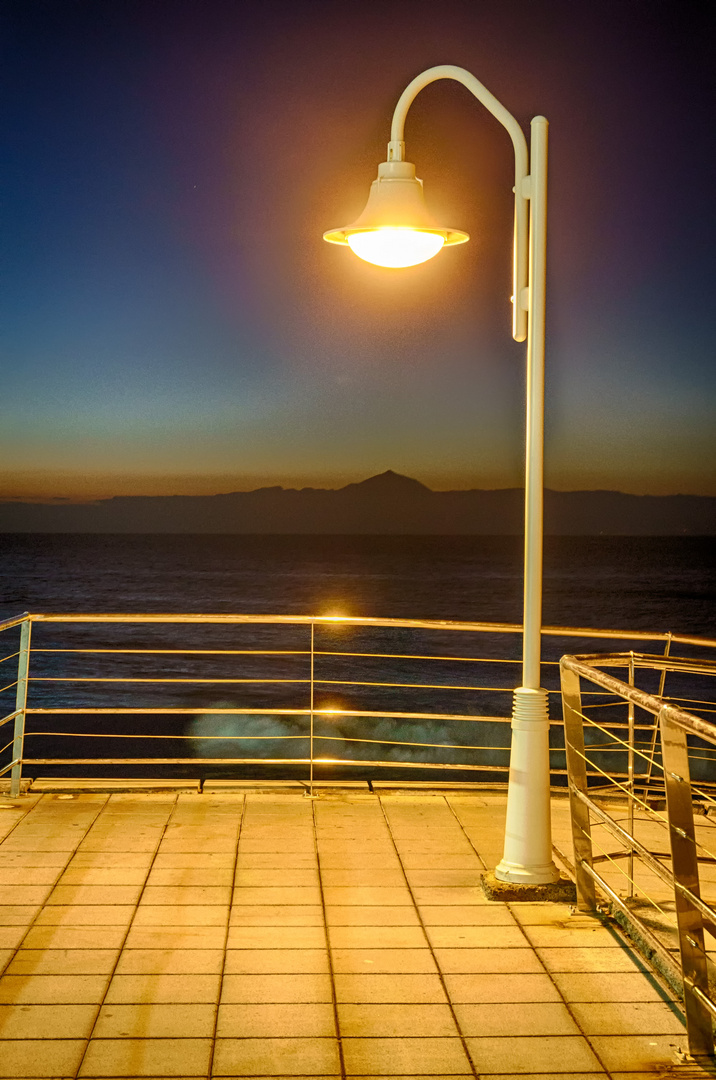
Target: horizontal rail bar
[
  {"x": 363, "y": 621},
  {"x": 206, "y": 711},
  {"x": 654, "y": 705},
  {"x": 16, "y": 620},
  {"x": 358, "y": 762}
]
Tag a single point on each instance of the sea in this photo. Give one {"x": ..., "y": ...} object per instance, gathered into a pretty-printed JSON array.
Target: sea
[{"x": 654, "y": 584}]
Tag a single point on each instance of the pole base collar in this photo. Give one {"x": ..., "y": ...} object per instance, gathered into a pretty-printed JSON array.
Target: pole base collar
[{"x": 563, "y": 891}]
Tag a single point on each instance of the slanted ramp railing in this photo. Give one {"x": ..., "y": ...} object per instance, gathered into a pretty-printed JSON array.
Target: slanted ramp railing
[{"x": 620, "y": 827}]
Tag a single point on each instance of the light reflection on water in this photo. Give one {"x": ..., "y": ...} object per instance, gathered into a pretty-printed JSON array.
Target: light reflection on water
[{"x": 631, "y": 582}]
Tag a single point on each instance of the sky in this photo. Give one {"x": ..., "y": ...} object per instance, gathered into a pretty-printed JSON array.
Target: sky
[{"x": 171, "y": 320}]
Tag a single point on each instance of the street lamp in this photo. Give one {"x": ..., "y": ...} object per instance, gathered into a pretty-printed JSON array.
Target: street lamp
[{"x": 395, "y": 229}]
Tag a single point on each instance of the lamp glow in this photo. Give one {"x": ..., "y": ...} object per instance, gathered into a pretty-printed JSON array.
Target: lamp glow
[{"x": 396, "y": 247}]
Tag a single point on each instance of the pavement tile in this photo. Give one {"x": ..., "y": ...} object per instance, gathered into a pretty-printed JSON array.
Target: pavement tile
[
  {"x": 349, "y": 859},
  {"x": 378, "y": 896},
  {"x": 153, "y": 1021},
  {"x": 10, "y": 858},
  {"x": 536, "y": 1054},
  {"x": 11, "y": 936},
  {"x": 290, "y": 895},
  {"x": 176, "y": 961},
  {"x": 95, "y": 894},
  {"x": 563, "y": 1076},
  {"x": 275, "y": 844},
  {"x": 149, "y": 989},
  {"x": 21, "y": 1021},
  {"x": 103, "y": 875},
  {"x": 30, "y": 875},
  {"x": 377, "y": 937},
  {"x": 276, "y": 937},
  {"x": 86, "y": 915},
  {"x": 194, "y": 860},
  {"x": 514, "y": 1019},
  {"x": 547, "y": 914},
  {"x": 392, "y": 877},
  {"x": 595, "y": 959},
  {"x": 604, "y": 987},
  {"x": 400, "y": 961},
  {"x": 63, "y": 962},
  {"x": 398, "y": 989},
  {"x": 467, "y": 915},
  {"x": 345, "y": 915},
  {"x": 176, "y": 937},
  {"x": 185, "y": 877},
  {"x": 137, "y": 860},
  {"x": 476, "y": 937},
  {"x": 275, "y": 961},
  {"x": 437, "y": 897},
  {"x": 396, "y": 1057},
  {"x": 146, "y": 1057},
  {"x": 18, "y": 914},
  {"x": 474, "y": 961},
  {"x": 567, "y": 936},
  {"x": 276, "y": 915},
  {"x": 40, "y": 1057},
  {"x": 264, "y": 877},
  {"x": 435, "y": 860},
  {"x": 495, "y": 988},
  {"x": 637, "y": 1053},
  {"x": 276, "y": 989},
  {"x": 264, "y": 1057},
  {"x": 629, "y": 1018},
  {"x": 75, "y": 937},
  {"x": 52, "y": 989},
  {"x": 290, "y": 860},
  {"x": 24, "y": 895},
  {"x": 183, "y": 895},
  {"x": 286, "y": 1020},
  {"x": 444, "y": 877},
  {"x": 375, "y": 1020},
  {"x": 183, "y": 915}
]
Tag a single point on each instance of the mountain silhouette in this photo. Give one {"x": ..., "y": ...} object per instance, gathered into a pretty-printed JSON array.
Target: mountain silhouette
[{"x": 388, "y": 503}]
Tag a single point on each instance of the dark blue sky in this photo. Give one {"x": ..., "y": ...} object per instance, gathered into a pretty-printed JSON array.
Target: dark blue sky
[{"x": 171, "y": 321}]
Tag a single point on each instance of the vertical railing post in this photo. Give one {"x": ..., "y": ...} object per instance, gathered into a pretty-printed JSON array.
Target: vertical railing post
[
  {"x": 310, "y": 784},
  {"x": 682, "y": 835},
  {"x": 577, "y": 778},
  {"x": 23, "y": 667},
  {"x": 655, "y": 732},
  {"x": 630, "y": 782}
]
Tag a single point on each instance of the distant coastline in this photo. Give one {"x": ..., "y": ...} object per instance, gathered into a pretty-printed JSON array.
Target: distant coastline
[{"x": 387, "y": 504}]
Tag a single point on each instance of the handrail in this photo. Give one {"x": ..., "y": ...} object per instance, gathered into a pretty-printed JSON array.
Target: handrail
[{"x": 693, "y": 914}]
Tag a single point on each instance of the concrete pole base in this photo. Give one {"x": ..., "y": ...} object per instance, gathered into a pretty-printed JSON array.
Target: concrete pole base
[
  {"x": 562, "y": 891},
  {"x": 527, "y": 858}
]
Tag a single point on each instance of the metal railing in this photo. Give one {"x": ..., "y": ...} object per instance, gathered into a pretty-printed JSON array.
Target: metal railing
[
  {"x": 655, "y": 892},
  {"x": 251, "y": 693}
]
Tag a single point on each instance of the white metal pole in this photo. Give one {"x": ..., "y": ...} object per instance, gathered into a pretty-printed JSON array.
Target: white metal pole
[{"x": 527, "y": 854}]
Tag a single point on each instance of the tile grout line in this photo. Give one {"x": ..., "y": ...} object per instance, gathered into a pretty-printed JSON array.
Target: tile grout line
[
  {"x": 129, "y": 927},
  {"x": 409, "y": 887},
  {"x": 331, "y": 973},
  {"x": 31, "y": 925},
  {"x": 226, "y": 937},
  {"x": 534, "y": 950},
  {"x": 563, "y": 999},
  {"x": 464, "y": 831}
]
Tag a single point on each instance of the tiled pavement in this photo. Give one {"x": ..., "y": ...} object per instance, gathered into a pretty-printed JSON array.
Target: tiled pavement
[{"x": 270, "y": 935}]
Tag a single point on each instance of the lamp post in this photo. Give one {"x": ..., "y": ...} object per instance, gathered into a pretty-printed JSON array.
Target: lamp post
[{"x": 395, "y": 229}]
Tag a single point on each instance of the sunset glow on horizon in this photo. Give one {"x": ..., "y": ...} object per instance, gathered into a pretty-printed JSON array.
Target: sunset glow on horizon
[{"x": 171, "y": 321}]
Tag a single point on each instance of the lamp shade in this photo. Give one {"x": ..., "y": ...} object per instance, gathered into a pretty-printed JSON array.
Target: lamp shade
[{"x": 395, "y": 228}]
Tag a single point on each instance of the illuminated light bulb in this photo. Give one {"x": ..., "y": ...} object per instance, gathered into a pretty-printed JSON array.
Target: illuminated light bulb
[{"x": 395, "y": 247}]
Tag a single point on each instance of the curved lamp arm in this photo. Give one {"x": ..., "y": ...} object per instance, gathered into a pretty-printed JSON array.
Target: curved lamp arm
[{"x": 396, "y": 150}]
